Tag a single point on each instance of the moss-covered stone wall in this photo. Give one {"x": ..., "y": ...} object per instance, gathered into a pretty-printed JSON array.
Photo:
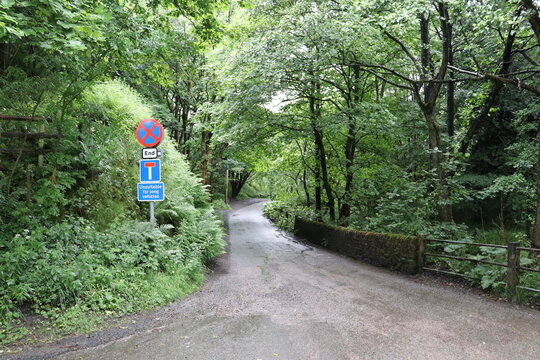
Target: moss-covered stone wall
[{"x": 397, "y": 252}]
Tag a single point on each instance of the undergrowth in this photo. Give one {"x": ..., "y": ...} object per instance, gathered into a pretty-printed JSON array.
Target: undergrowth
[
  {"x": 79, "y": 249},
  {"x": 283, "y": 213}
]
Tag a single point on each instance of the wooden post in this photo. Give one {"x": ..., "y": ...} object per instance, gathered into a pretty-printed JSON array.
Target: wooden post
[
  {"x": 28, "y": 182},
  {"x": 512, "y": 277},
  {"x": 41, "y": 143},
  {"x": 227, "y": 186}
]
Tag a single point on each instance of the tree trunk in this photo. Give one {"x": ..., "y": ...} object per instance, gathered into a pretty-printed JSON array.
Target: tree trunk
[
  {"x": 536, "y": 238},
  {"x": 238, "y": 182},
  {"x": 436, "y": 159},
  {"x": 427, "y": 67},
  {"x": 321, "y": 157},
  {"x": 4, "y": 55},
  {"x": 450, "y": 95},
  {"x": 186, "y": 132},
  {"x": 533, "y": 17},
  {"x": 428, "y": 105},
  {"x": 318, "y": 193},
  {"x": 178, "y": 130},
  {"x": 185, "y": 120},
  {"x": 350, "y": 149},
  {"x": 493, "y": 94},
  {"x": 217, "y": 156},
  {"x": 206, "y": 158},
  {"x": 315, "y": 113},
  {"x": 306, "y": 189}
]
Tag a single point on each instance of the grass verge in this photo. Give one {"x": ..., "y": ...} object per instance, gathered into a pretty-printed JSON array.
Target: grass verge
[{"x": 155, "y": 289}]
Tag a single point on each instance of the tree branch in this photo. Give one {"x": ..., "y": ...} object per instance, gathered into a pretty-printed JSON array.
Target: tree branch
[{"x": 406, "y": 50}]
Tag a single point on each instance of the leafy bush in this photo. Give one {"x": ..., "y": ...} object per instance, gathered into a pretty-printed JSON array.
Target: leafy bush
[
  {"x": 79, "y": 247},
  {"x": 72, "y": 263},
  {"x": 109, "y": 152},
  {"x": 115, "y": 104},
  {"x": 283, "y": 213},
  {"x": 405, "y": 210},
  {"x": 94, "y": 173}
]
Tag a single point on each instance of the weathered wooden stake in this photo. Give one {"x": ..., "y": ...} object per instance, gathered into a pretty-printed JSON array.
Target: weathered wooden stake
[
  {"x": 512, "y": 277},
  {"x": 28, "y": 182},
  {"x": 226, "y": 186},
  {"x": 41, "y": 143}
]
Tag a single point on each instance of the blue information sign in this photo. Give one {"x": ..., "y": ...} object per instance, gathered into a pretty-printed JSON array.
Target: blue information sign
[
  {"x": 150, "y": 170},
  {"x": 151, "y": 191}
]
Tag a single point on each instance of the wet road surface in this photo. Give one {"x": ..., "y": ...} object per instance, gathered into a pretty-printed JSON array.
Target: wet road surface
[{"x": 273, "y": 298}]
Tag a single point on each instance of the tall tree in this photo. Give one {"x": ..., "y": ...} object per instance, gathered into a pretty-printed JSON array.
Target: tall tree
[{"x": 424, "y": 78}]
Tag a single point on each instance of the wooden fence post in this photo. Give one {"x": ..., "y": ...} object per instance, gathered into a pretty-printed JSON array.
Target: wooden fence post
[
  {"x": 512, "y": 276},
  {"x": 41, "y": 143},
  {"x": 227, "y": 186}
]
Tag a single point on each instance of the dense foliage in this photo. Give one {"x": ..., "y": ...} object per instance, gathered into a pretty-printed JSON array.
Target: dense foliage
[
  {"x": 375, "y": 111},
  {"x": 411, "y": 117},
  {"x": 78, "y": 243}
]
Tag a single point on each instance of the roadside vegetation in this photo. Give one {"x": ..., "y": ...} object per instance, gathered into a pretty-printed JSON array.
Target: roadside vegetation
[
  {"x": 416, "y": 118},
  {"x": 409, "y": 117},
  {"x": 76, "y": 248},
  {"x": 81, "y": 246}
]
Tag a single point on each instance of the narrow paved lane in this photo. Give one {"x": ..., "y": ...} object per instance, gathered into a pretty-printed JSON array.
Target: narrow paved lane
[{"x": 273, "y": 298}]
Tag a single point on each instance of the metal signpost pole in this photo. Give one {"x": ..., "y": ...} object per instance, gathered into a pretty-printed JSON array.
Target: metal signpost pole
[{"x": 152, "y": 218}]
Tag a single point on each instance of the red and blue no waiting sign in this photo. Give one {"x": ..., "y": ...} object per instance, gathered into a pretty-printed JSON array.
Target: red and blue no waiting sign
[{"x": 149, "y": 133}]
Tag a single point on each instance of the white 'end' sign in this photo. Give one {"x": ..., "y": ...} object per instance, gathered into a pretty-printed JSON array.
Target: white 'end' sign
[{"x": 150, "y": 153}]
